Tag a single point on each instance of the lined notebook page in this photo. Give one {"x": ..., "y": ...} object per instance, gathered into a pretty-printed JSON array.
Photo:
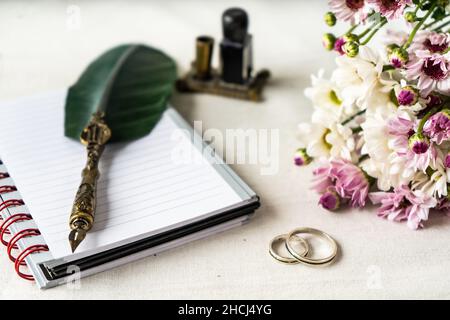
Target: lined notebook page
[{"x": 143, "y": 187}]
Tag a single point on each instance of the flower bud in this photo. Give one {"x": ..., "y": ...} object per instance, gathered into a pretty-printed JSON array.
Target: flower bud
[
  {"x": 418, "y": 143},
  {"x": 407, "y": 96},
  {"x": 410, "y": 16},
  {"x": 301, "y": 158},
  {"x": 339, "y": 46},
  {"x": 351, "y": 49},
  {"x": 351, "y": 37},
  {"x": 399, "y": 57},
  {"x": 328, "y": 41},
  {"x": 330, "y": 200},
  {"x": 391, "y": 47},
  {"x": 330, "y": 19}
]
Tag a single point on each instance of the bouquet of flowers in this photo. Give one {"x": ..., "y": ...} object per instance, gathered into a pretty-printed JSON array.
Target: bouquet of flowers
[{"x": 380, "y": 130}]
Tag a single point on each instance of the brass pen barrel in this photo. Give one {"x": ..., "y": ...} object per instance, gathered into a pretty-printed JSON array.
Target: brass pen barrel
[{"x": 94, "y": 136}]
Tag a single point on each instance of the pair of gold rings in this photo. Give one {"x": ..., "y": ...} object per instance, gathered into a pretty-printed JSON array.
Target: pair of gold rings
[{"x": 302, "y": 257}]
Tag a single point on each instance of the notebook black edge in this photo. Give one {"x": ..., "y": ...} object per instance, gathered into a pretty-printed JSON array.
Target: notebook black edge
[{"x": 61, "y": 271}]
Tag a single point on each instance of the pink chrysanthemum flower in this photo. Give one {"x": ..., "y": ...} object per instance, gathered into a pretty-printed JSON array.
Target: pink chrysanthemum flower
[
  {"x": 400, "y": 130},
  {"x": 404, "y": 205},
  {"x": 438, "y": 127},
  {"x": 434, "y": 42},
  {"x": 347, "y": 180},
  {"x": 322, "y": 180},
  {"x": 391, "y": 9},
  {"x": 354, "y": 11},
  {"x": 432, "y": 70}
]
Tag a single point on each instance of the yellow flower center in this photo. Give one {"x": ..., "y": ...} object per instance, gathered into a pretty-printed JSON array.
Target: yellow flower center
[
  {"x": 324, "y": 140},
  {"x": 334, "y": 98}
]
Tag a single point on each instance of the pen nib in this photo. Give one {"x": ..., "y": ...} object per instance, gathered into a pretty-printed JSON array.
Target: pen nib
[{"x": 75, "y": 238}]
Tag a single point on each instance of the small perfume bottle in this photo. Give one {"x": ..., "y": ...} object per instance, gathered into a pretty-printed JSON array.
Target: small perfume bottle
[{"x": 236, "y": 47}]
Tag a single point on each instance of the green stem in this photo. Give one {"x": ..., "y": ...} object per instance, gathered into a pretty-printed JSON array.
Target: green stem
[
  {"x": 419, "y": 6},
  {"x": 384, "y": 21},
  {"x": 351, "y": 29},
  {"x": 417, "y": 26},
  {"x": 426, "y": 117},
  {"x": 362, "y": 34},
  {"x": 353, "y": 117},
  {"x": 441, "y": 26},
  {"x": 426, "y": 26}
]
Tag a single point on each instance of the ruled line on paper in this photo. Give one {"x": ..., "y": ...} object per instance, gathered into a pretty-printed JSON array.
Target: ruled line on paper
[
  {"x": 137, "y": 192},
  {"x": 186, "y": 175},
  {"x": 134, "y": 216},
  {"x": 141, "y": 188},
  {"x": 99, "y": 227},
  {"x": 109, "y": 154}
]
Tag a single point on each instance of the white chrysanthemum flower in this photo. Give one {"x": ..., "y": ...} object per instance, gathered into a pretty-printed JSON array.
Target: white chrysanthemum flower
[
  {"x": 342, "y": 142},
  {"x": 357, "y": 78},
  {"x": 323, "y": 93},
  {"x": 325, "y": 97},
  {"x": 433, "y": 186},
  {"x": 312, "y": 137},
  {"x": 384, "y": 163},
  {"x": 434, "y": 183}
]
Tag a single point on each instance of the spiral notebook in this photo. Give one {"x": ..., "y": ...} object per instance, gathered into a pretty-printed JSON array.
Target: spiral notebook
[{"x": 155, "y": 193}]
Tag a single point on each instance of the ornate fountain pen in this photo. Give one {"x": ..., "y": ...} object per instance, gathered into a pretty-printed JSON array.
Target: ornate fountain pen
[{"x": 94, "y": 136}]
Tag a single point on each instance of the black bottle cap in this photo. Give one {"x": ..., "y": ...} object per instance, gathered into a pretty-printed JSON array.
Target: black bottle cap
[{"x": 235, "y": 24}]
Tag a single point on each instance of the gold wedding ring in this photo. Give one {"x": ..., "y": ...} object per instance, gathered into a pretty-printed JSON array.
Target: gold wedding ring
[
  {"x": 302, "y": 256},
  {"x": 287, "y": 260},
  {"x": 304, "y": 259}
]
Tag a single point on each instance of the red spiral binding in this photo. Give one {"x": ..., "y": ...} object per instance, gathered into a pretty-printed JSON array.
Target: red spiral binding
[
  {"x": 19, "y": 235},
  {"x": 8, "y": 222},
  {"x": 11, "y": 245},
  {"x": 4, "y": 175},
  {"x": 10, "y": 203},
  {"x": 7, "y": 189},
  {"x": 20, "y": 260}
]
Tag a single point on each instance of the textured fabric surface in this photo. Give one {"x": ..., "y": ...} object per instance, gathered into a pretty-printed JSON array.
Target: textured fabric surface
[{"x": 43, "y": 49}]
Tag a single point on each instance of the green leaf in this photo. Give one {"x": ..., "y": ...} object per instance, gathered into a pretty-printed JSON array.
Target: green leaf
[
  {"x": 439, "y": 13},
  {"x": 130, "y": 83}
]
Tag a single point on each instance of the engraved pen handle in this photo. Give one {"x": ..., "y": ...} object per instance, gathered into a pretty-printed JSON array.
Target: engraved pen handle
[{"x": 94, "y": 136}]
